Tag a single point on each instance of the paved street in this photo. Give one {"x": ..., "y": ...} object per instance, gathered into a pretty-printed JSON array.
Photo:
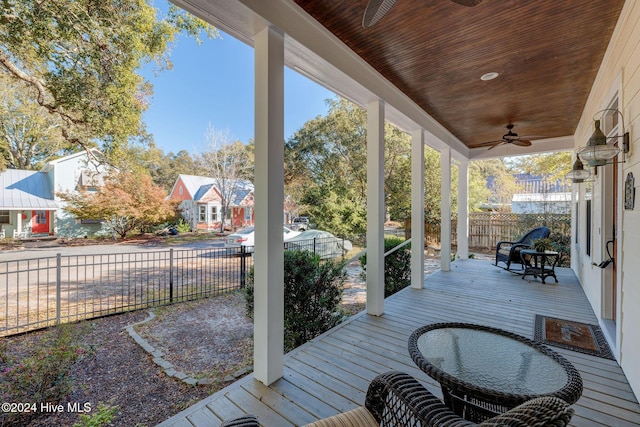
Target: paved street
[{"x": 52, "y": 248}]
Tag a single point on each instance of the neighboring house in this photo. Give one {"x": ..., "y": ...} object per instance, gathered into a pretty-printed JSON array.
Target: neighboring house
[
  {"x": 201, "y": 203},
  {"x": 540, "y": 203},
  {"x": 27, "y": 204},
  {"x": 30, "y": 207},
  {"x": 536, "y": 195}
]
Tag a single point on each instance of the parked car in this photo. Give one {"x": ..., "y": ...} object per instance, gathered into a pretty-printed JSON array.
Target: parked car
[
  {"x": 322, "y": 243},
  {"x": 245, "y": 237},
  {"x": 300, "y": 223}
]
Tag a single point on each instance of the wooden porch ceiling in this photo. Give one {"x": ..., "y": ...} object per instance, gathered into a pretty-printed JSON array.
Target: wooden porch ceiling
[{"x": 547, "y": 54}]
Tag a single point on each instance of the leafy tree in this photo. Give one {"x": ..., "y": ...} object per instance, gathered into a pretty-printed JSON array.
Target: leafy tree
[
  {"x": 143, "y": 156},
  {"x": 166, "y": 169},
  {"x": 81, "y": 57},
  {"x": 126, "y": 202},
  {"x": 230, "y": 164},
  {"x": 29, "y": 135},
  {"x": 502, "y": 184},
  {"x": 343, "y": 214},
  {"x": 552, "y": 166},
  {"x": 324, "y": 168}
]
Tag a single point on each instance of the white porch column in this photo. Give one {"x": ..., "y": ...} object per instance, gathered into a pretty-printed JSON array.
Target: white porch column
[
  {"x": 269, "y": 200},
  {"x": 463, "y": 209},
  {"x": 375, "y": 208},
  {"x": 445, "y": 210},
  {"x": 18, "y": 223},
  {"x": 417, "y": 209}
]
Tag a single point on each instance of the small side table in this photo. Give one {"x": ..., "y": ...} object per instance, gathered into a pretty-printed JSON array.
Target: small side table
[{"x": 543, "y": 265}]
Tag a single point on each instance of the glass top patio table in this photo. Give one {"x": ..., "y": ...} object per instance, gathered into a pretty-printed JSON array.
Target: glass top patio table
[{"x": 497, "y": 369}]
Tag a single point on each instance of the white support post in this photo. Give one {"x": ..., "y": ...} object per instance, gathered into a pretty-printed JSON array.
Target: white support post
[
  {"x": 417, "y": 209},
  {"x": 375, "y": 208},
  {"x": 269, "y": 200},
  {"x": 18, "y": 223},
  {"x": 463, "y": 210},
  {"x": 445, "y": 210}
]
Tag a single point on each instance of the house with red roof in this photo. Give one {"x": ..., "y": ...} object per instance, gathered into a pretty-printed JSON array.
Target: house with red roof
[{"x": 201, "y": 202}]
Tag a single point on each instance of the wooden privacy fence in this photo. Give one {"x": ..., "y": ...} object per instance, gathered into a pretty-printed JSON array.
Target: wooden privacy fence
[{"x": 486, "y": 229}]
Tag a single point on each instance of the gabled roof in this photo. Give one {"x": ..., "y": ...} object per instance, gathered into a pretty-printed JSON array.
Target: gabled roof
[
  {"x": 203, "y": 191},
  {"x": 24, "y": 189},
  {"x": 193, "y": 183},
  {"x": 199, "y": 186}
]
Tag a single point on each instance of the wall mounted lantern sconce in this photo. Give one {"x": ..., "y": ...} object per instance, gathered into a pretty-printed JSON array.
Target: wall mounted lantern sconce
[
  {"x": 598, "y": 152},
  {"x": 578, "y": 173}
]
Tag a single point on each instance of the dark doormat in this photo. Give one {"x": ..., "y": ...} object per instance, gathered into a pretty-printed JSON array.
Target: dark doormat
[{"x": 576, "y": 336}]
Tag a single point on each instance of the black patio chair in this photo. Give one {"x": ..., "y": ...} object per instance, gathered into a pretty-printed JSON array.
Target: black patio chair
[
  {"x": 509, "y": 252},
  {"x": 395, "y": 399}
]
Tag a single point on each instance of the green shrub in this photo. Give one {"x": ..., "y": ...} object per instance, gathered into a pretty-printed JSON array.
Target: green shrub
[
  {"x": 561, "y": 243},
  {"x": 542, "y": 244},
  {"x": 397, "y": 266},
  {"x": 183, "y": 226},
  {"x": 312, "y": 295}
]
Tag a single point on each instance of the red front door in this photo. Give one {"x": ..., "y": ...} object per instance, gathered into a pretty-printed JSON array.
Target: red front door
[{"x": 40, "y": 221}]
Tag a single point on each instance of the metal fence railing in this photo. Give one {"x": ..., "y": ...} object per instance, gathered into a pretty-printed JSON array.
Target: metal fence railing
[
  {"x": 324, "y": 247},
  {"x": 39, "y": 292}
]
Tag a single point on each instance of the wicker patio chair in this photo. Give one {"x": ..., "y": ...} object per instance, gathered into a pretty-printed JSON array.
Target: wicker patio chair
[
  {"x": 509, "y": 252},
  {"x": 395, "y": 399}
]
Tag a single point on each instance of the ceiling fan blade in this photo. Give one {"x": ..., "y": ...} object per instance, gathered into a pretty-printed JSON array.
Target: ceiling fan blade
[
  {"x": 376, "y": 9},
  {"x": 468, "y": 3},
  {"x": 521, "y": 142},
  {"x": 486, "y": 143},
  {"x": 530, "y": 137},
  {"x": 495, "y": 145}
]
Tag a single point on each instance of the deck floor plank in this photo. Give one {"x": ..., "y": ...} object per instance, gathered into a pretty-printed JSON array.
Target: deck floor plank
[{"x": 330, "y": 374}]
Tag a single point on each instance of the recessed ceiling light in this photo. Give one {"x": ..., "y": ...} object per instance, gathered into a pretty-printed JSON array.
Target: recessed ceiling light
[{"x": 489, "y": 76}]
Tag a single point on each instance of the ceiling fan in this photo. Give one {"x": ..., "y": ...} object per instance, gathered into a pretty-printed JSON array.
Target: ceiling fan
[
  {"x": 511, "y": 138},
  {"x": 376, "y": 9}
]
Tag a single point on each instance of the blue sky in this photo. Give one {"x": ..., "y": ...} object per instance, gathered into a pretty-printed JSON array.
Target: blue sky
[{"x": 213, "y": 83}]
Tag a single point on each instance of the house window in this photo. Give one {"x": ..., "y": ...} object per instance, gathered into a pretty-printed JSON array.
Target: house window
[
  {"x": 202, "y": 214},
  {"x": 4, "y": 217},
  {"x": 180, "y": 190},
  {"x": 247, "y": 214},
  {"x": 214, "y": 213},
  {"x": 41, "y": 217}
]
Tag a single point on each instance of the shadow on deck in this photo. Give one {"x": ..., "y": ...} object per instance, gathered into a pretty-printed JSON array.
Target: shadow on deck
[{"x": 331, "y": 373}]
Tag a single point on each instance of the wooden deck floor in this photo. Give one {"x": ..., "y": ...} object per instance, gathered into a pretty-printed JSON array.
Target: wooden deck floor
[{"x": 331, "y": 373}]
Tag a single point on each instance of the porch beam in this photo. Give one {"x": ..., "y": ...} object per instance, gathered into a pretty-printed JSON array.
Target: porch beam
[
  {"x": 269, "y": 199},
  {"x": 463, "y": 210},
  {"x": 417, "y": 209},
  {"x": 445, "y": 209},
  {"x": 375, "y": 208}
]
